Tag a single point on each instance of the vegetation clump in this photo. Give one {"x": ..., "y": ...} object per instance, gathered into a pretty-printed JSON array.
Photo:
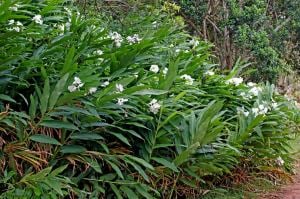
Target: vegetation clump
[{"x": 91, "y": 111}]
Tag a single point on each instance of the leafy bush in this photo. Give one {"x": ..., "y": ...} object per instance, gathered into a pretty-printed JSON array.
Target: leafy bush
[
  {"x": 92, "y": 113},
  {"x": 264, "y": 32}
]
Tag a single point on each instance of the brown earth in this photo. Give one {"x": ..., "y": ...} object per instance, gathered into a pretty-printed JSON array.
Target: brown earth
[{"x": 289, "y": 191}]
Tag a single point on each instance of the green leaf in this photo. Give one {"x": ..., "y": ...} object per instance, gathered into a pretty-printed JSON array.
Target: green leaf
[
  {"x": 58, "y": 124},
  {"x": 54, "y": 185},
  {"x": 166, "y": 163},
  {"x": 184, "y": 156},
  {"x": 171, "y": 75},
  {"x": 44, "y": 139},
  {"x": 141, "y": 161},
  {"x": 86, "y": 136},
  {"x": 150, "y": 92},
  {"x": 69, "y": 65},
  {"x": 143, "y": 192},
  {"x": 72, "y": 149},
  {"x": 138, "y": 169},
  {"x": 116, "y": 191},
  {"x": 130, "y": 194},
  {"x": 59, "y": 88},
  {"x": 59, "y": 170},
  {"x": 121, "y": 137},
  {"x": 32, "y": 107},
  {"x": 45, "y": 97},
  {"x": 7, "y": 98},
  {"x": 116, "y": 168}
]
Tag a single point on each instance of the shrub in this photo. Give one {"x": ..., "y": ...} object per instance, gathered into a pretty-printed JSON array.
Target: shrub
[
  {"x": 94, "y": 113},
  {"x": 263, "y": 32}
]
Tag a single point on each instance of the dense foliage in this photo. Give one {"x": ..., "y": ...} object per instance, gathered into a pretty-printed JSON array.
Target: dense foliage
[
  {"x": 265, "y": 32},
  {"x": 88, "y": 111}
]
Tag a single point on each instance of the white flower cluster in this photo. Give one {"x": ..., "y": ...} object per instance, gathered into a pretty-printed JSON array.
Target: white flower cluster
[
  {"x": 194, "y": 42},
  {"x": 154, "y": 106},
  {"x": 133, "y": 39},
  {"x": 154, "y": 24},
  {"x": 209, "y": 73},
  {"x": 188, "y": 79},
  {"x": 274, "y": 106},
  {"x": 262, "y": 109},
  {"x": 254, "y": 91},
  {"x": 154, "y": 68},
  {"x": 235, "y": 80},
  {"x": 279, "y": 161},
  {"x": 105, "y": 84},
  {"x": 61, "y": 27},
  {"x": 119, "y": 88},
  {"x": 117, "y": 38},
  {"x": 17, "y": 26},
  {"x": 98, "y": 52},
  {"x": 69, "y": 12},
  {"x": 243, "y": 111},
  {"x": 121, "y": 101},
  {"x": 37, "y": 19},
  {"x": 14, "y": 8},
  {"x": 76, "y": 85},
  {"x": 165, "y": 71},
  {"x": 92, "y": 90}
]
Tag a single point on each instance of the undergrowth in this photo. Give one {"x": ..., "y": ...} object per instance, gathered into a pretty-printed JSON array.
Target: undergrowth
[{"x": 92, "y": 111}]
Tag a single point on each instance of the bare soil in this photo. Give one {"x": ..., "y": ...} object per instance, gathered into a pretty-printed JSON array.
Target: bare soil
[{"x": 289, "y": 191}]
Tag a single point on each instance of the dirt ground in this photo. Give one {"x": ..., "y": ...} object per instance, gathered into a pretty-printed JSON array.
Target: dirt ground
[{"x": 289, "y": 191}]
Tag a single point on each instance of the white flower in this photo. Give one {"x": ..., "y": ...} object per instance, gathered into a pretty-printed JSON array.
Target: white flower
[
  {"x": 279, "y": 161},
  {"x": 68, "y": 11},
  {"x": 104, "y": 84},
  {"x": 117, "y": 38},
  {"x": 72, "y": 88},
  {"x": 245, "y": 96},
  {"x": 13, "y": 8},
  {"x": 246, "y": 113},
  {"x": 98, "y": 52},
  {"x": 165, "y": 71},
  {"x": 121, "y": 101},
  {"x": 154, "y": 24},
  {"x": 133, "y": 39},
  {"x": 154, "y": 68},
  {"x": 209, "y": 73},
  {"x": 255, "y": 91},
  {"x": 154, "y": 106},
  {"x": 242, "y": 111},
  {"x": 76, "y": 85},
  {"x": 11, "y": 22},
  {"x": 260, "y": 110},
  {"x": 92, "y": 90},
  {"x": 19, "y": 23},
  {"x": 61, "y": 27},
  {"x": 135, "y": 75},
  {"x": 15, "y": 28},
  {"x": 119, "y": 88},
  {"x": 261, "y": 107},
  {"x": 255, "y": 111},
  {"x": 251, "y": 84},
  {"x": 274, "y": 105},
  {"x": 77, "y": 81},
  {"x": 177, "y": 50},
  {"x": 38, "y": 19},
  {"x": 68, "y": 25},
  {"x": 236, "y": 81},
  {"x": 194, "y": 42},
  {"x": 188, "y": 79}
]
